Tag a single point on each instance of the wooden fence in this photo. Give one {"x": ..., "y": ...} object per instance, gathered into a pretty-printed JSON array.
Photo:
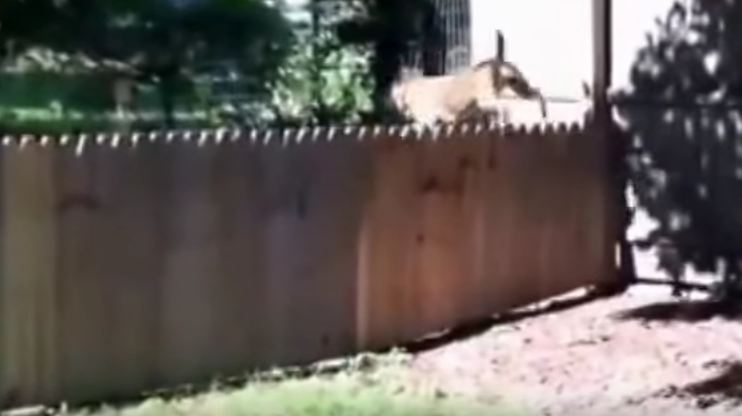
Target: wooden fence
[{"x": 138, "y": 262}]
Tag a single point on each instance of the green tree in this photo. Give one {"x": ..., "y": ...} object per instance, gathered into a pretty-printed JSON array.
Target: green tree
[
  {"x": 682, "y": 117},
  {"x": 390, "y": 28},
  {"x": 161, "y": 41},
  {"x": 324, "y": 80}
]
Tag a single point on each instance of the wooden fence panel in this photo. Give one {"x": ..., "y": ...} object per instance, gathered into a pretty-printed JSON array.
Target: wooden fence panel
[
  {"x": 388, "y": 289},
  {"x": 164, "y": 263},
  {"x": 28, "y": 293},
  {"x": 244, "y": 328},
  {"x": 315, "y": 198},
  {"x": 470, "y": 226},
  {"x": 111, "y": 262}
]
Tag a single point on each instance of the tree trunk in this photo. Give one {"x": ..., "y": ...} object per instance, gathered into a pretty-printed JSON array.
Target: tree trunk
[
  {"x": 318, "y": 103},
  {"x": 385, "y": 67},
  {"x": 433, "y": 44},
  {"x": 167, "y": 99}
]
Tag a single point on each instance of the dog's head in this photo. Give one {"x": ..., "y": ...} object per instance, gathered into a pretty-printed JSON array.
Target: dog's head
[{"x": 509, "y": 77}]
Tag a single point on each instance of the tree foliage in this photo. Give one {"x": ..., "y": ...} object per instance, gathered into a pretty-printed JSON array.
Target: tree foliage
[
  {"x": 684, "y": 118},
  {"x": 160, "y": 41},
  {"x": 324, "y": 80},
  {"x": 240, "y": 57},
  {"x": 390, "y": 28}
]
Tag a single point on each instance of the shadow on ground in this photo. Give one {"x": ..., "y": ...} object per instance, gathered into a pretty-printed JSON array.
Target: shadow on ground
[
  {"x": 683, "y": 311},
  {"x": 723, "y": 388},
  {"x": 362, "y": 362},
  {"x": 478, "y": 327}
]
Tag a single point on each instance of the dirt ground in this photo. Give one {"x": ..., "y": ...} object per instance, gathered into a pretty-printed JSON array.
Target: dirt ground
[{"x": 640, "y": 353}]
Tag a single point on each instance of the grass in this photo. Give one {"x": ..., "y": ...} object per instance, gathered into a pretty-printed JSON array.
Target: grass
[
  {"x": 349, "y": 392},
  {"x": 46, "y": 121}
]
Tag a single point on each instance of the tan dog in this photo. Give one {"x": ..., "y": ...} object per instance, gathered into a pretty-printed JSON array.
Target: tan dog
[{"x": 450, "y": 98}]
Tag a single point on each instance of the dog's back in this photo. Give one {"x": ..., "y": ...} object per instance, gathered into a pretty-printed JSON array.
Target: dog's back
[
  {"x": 442, "y": 98},
  {"x": 449, "y": 98}
]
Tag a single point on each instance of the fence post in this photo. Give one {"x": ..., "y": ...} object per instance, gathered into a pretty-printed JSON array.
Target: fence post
[
  {"x": 615, "y": 148},
  {"x": 601, "y": 26}
]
